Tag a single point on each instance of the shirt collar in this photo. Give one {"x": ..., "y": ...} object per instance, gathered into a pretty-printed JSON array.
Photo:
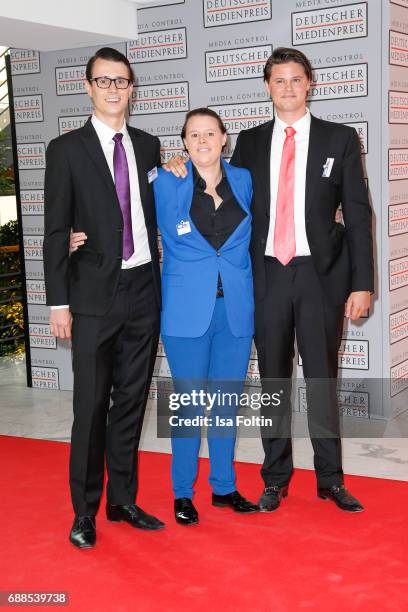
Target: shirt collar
[
  {"x": 106, "y": 133},
  {"x": 301, "y": 126},
  {"x": 200, "y": 182}
]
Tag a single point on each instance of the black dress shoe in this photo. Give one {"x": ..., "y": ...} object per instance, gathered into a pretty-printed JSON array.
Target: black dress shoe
[
  {"x": 271, "y": 498},
  {"x": 135, "y": 516},
  {"x": 341, "y": 497},
  {"x": 235, "y": 501},
  {"x": 185, "y": 512},
  {"x": 83, "y": 532}
]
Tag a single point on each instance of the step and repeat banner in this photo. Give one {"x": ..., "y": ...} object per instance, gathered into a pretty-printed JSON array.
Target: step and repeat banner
[
  {"x": 191, "y": 53},
  {"x": 396, "y": 222}
]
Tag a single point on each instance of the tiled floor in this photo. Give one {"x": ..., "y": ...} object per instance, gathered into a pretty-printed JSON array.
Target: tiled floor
[{"x": 35, "y": 413}]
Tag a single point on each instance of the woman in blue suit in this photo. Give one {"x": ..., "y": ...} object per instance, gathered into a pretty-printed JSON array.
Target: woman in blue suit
[{"x": 207, "y": 312}]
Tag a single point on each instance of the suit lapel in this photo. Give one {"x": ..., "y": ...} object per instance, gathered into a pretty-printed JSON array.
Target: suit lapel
[
  {"x": 263, "y": 164},
  {"x": 93, "y": 147},
  {"x": 185, "y": 188},
  {"x": 315, "y": 159},
  {"x": 141, "y": 167}
]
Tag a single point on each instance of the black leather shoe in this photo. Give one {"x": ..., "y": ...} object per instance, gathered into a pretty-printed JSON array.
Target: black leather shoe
[
  {"x": 185, "y": 512},
  {"x": 341, "y": 497},
  {"x": 235, "y": 501},
  {"x": 271, "y": 498},
  {"x": 135, "y": 516},
  {"x": 83, "y": 532}
]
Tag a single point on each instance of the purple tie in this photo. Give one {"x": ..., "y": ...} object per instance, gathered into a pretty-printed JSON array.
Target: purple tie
[{"x": 121, "y": 172}]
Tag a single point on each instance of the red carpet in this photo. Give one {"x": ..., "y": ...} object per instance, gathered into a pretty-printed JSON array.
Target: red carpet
[{"x": 307, "y": 556}]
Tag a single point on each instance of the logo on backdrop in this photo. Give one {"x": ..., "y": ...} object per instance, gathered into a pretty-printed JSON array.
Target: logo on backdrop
[
  {"x": 397, "y": 164},
  {"x": 234, "y": 64},
  {"x": 45, "y": 378},
  {"x": 33, "y": 247},
  {"x": 326, "y": 25},
  {"x": 361, "y": 128},
  {"x": 36, "y": 292},
  {"x": 398, "y": 273},
  {"x": 31, "y": 156},
  {"x": 336, "y": 82},
  {"x": 351, "y": 403},
  {"x": 398, "y": 49},
  {"x": 28, "y": 109},
  {"x": 67, "y": 124},
  {"x": 41, "y": 336},
  {"x": 352, "y": 355},
  {"x": 163, "y": 98},
  {"x": 399, "y": 326},
  {"x": 399, "y": 377},
  {"x": 397, "y": 219},
  {"x": 230, "y": 12},
  {"x": 24, "y": 61},
  {"x": 170, "y": 145},
  {"x": 32, "y": 202},
  {"x": 70, "y": 80},
  {"x": 397, "y": 107},
  {"x": 158, "y": 46},
  {"x": 243, "y": 116}
]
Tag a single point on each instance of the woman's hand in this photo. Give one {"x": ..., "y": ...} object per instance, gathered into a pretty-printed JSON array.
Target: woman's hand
[{"x": 76, "y": 240}]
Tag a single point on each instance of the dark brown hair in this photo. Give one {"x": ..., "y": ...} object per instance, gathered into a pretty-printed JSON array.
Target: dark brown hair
[
  {"x": 283, "y": 55},
  {"x": 112, "y": 55},
  {"x": 203, "y": 111}
]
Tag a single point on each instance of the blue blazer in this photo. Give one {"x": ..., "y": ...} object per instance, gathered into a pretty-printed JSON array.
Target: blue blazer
[{"x": 191, "y": 265}]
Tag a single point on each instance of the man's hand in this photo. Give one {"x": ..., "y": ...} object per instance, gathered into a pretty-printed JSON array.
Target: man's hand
[
  {"x": 357, "y": 304},
  {"x": 176, "y": 165},
  {"x": 61, "y": 322},
  {"x": 76, "y": 239}
]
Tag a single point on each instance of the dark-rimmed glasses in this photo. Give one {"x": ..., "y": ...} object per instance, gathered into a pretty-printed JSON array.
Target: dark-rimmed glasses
[{"x": 105, "y": 82}]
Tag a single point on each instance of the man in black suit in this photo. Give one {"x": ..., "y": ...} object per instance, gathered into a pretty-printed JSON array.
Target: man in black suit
[
  {"x": 326, "y": 272},
  {"x": 98, "y": 180},
  {"x": 309, "y": 270}
]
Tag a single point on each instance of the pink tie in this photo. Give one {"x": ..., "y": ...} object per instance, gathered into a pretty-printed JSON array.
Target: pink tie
[{"x": 284, "y": 243}]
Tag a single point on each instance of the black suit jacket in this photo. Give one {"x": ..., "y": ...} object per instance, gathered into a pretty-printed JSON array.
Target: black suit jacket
[
  {"x": 80, "y": 194},
  {"x": 342, "y": 255}
]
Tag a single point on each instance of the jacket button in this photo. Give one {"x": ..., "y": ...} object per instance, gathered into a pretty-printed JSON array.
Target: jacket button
[
  {"x": 120, "y": 230},
  {"x": 263, "y": 241},
  {"x": 218, "y": 254},
  {"x": 119, "y": 257}
]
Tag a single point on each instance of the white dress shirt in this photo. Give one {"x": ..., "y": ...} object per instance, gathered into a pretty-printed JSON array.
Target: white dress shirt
[
  {"x": 105, "y": 134},
  {"x": 302, "y": 127}
]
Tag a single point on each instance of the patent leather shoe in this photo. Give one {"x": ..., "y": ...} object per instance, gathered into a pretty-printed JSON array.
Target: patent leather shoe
[
  {"x": 235, "y": 501},
  {"x": 341, "y": 497},
  {"x": 271, "y": 498},
  {"x": 83, "y": 532},
  {"x": 184, "y": 511},
  {"x": 135, "y": 516}
]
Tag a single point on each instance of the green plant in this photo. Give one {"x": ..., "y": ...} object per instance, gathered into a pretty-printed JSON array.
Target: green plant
[
  {"x": 7, "y": 186},
  {"x": 11, "y": 314}
]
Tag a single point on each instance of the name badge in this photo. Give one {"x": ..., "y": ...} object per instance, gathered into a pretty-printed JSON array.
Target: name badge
[
  {"x": 183, "y": 228},
  {"x": 327, "y": 168},
  {"x": 152, "y": 174}
]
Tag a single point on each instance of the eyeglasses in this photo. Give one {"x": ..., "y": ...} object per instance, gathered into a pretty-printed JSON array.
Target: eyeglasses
[{"x": 105, "y": 82}]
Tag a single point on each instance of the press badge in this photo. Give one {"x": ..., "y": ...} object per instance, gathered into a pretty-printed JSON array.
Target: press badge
[
  {"x": 183, "y": 228},
  {"x": 327, "y": 168},
  {"x": 152, "y": 174}
]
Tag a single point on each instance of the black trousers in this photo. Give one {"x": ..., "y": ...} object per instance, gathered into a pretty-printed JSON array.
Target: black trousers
[
  {"x": 295, "y": 304},
  {"x": 113, "y": 358}
]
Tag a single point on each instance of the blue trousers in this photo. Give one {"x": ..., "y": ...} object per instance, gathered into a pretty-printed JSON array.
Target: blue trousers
[{"x": 216, "y": 361}]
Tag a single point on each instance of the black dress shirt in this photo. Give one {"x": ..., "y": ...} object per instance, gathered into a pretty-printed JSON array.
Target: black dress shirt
[{"x": 215, "y": 224}]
